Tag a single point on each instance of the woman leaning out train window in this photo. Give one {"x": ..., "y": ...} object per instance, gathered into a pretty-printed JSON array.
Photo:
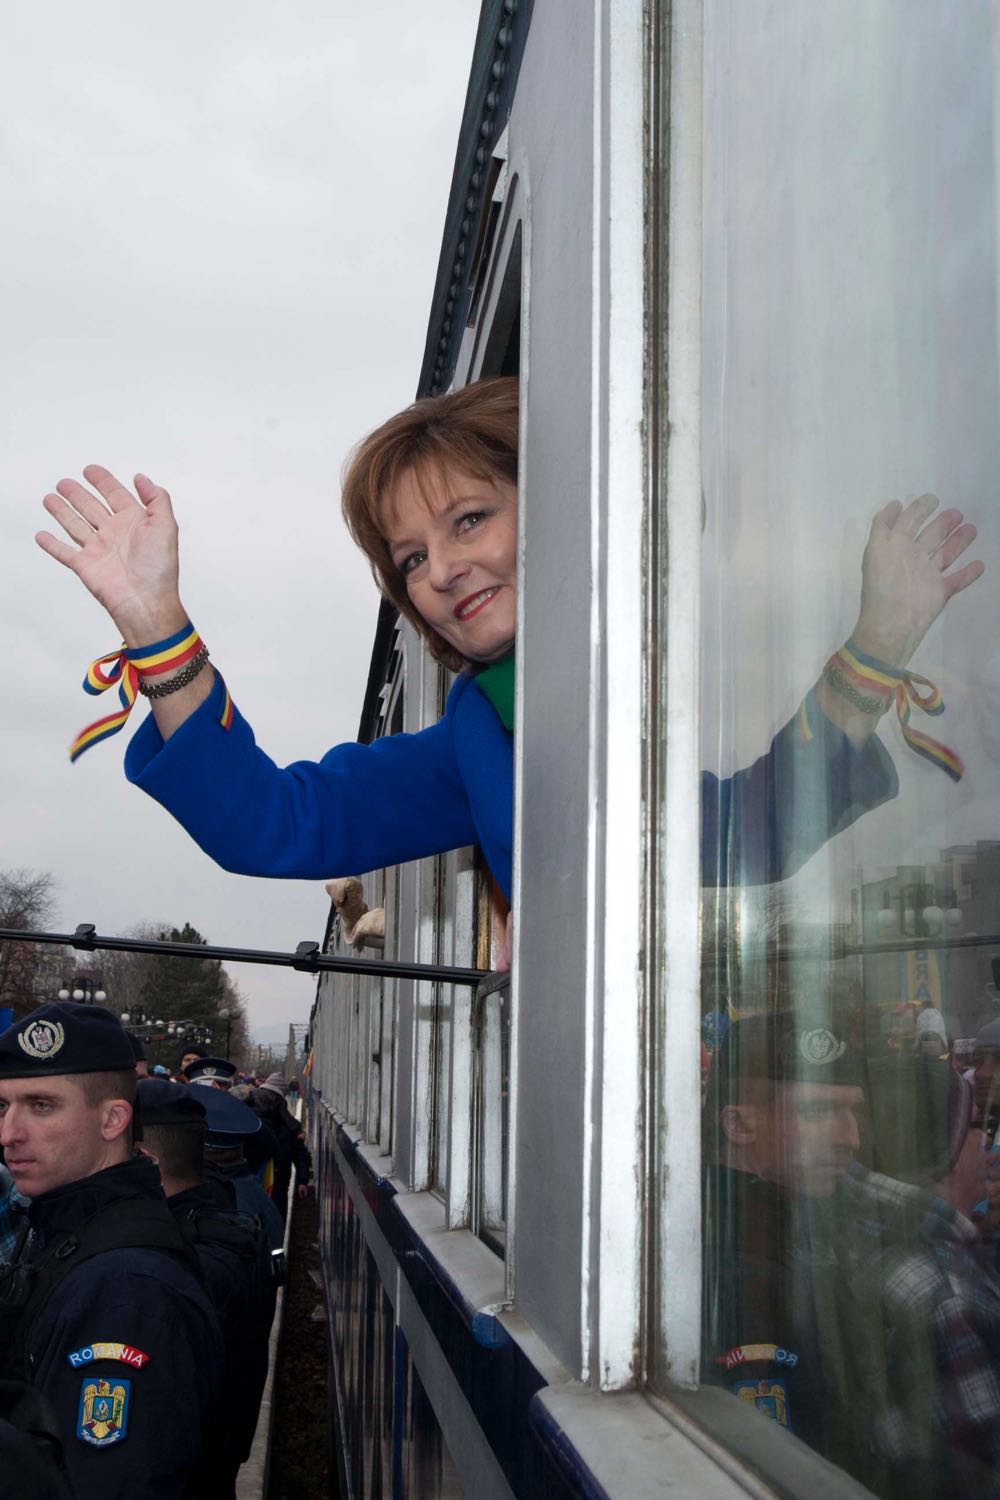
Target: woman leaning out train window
[{"x": 431, "y": 498}]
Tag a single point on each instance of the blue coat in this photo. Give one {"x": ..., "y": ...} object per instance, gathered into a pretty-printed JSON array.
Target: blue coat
[{"x": 362, "y": 807}]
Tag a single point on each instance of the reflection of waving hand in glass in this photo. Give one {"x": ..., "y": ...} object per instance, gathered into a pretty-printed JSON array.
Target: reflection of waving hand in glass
[
  {"x": 905, "y": 584},
  {"x": 763, "y": 822}
]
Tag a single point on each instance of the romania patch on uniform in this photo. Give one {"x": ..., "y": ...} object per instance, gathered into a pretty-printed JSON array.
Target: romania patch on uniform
[
  {"x": 123, "y": 1352},
  {"x": 768, "y": 1396},
  {"x": 103, "y": 1415}
]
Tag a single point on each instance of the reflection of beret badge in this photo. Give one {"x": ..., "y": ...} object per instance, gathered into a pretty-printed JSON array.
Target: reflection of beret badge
[
  {"x": 820, "y": 1046},
  {"x": 42, "y": 1040}
]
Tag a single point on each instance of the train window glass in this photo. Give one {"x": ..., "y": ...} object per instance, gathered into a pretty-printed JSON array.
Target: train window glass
[
  {"x": 850, "y": 687},
  {"x": 493, "y": 196},
  {"x": 439, "y": 1039},
  {"x": 387, "y": 1044},
  {"x": 490, "y": 1111},
  {"x": 502, "y": 352},
  {"x": 439, "y": 1103}
]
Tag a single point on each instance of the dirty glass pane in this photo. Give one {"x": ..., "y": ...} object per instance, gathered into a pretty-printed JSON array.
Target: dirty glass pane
[{"x": 851, "y": 902}]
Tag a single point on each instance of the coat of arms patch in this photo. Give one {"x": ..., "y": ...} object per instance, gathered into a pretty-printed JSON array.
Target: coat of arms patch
[{"x": 103, "y": 1415}]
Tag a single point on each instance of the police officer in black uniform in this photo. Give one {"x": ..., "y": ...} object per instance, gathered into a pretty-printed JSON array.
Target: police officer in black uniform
[
  {"x": 102, "y": 1309},
  {"x": 234, "y": 1255},
  {"x": 231, "y": 1137}
]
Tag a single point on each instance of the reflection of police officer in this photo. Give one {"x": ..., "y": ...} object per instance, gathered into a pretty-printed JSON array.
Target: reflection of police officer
[
  {"x": 785, "y": 1103},
  {"x": 102, "y": 1310},
  {"x": 234, "y": 1256}
]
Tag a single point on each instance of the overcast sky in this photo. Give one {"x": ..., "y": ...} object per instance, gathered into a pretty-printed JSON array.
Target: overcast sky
[{"x": 221, "y": 231}]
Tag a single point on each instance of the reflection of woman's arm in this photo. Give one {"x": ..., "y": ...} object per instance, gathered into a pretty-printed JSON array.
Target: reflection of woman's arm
[
  {"x": 905, "y": 584},
  {"x": 763, "y": 823},
  {"x": 825, "y": 769}
]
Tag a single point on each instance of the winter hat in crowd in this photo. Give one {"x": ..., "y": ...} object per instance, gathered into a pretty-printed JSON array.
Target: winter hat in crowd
[
  {"x": 276, "y": 1083},
  {"x": 931, "y": 1022},
  {"x": 988, "y": 1035}
]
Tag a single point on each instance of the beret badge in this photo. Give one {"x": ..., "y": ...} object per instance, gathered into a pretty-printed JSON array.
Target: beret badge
[
  {"x": 42, "y": 1040},
  {"x": 819, "y": 1046}
]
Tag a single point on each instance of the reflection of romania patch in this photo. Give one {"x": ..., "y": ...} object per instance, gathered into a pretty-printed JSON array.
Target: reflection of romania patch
[
  {"x": 743, "y": 1353},
  {"x": 103, "y": 1416},
  {"x": 768, "y": 1396}
]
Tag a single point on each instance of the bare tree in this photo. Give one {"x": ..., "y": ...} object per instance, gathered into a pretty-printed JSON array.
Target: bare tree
[
  {"x": 27, "y": 898},
  {"x": 124, "y": 976}
]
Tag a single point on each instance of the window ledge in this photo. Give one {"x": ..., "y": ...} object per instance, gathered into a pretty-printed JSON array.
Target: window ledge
[{"x": 469, "y": 1274}]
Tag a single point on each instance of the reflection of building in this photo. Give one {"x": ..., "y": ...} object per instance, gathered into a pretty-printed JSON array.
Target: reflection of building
[{"x": 955, "y": 896}]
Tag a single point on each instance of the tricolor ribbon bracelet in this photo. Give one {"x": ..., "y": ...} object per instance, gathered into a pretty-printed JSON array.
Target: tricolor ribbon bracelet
[
  {"x": 873, "y": 685},
  {"x": 122, "y": 668}
]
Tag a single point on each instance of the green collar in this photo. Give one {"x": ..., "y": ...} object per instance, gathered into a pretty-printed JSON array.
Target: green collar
[{"x": 497, "y": 682}]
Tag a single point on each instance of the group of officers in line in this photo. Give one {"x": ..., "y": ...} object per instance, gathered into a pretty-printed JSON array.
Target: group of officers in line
[{"x": 140, "y": 1259}]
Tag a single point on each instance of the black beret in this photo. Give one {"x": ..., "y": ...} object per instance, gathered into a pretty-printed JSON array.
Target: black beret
[
  {"x": 65, "y": 1038},
  {"x": 169, "y": 1103},
  {"x": 211, "y": 1067},
  {"x": 784, "y": 1046}
]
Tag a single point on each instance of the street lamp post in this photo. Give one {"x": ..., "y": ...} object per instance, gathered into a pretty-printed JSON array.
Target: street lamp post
[
  {"x": 918, "y": 909},
  {"x": 86, "y": 989},
  {"x": 186, "y": 1030}
]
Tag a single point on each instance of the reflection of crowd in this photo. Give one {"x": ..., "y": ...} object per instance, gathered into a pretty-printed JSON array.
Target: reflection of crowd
[{"x": 852, "y": 1227}]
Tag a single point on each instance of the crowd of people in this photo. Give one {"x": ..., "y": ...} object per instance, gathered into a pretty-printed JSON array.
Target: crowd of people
[
  {"x": 142, "y": 1225},
  {"x": 852, "y": 1233}
]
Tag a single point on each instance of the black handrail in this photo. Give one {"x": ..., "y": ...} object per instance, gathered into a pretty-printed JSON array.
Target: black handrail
[{"x": 307, "y": 956}]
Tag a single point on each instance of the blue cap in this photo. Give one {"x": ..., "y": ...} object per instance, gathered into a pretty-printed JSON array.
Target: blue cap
[
  {"x": 229, "y": 1121},
  {"x": 211, "y": 1070},
  {"x": 62, "y": 1038},
  {"x": 169, "y": 1103}
]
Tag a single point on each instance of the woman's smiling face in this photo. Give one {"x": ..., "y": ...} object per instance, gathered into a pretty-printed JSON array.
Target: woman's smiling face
[{"x": 454, "y": 539}]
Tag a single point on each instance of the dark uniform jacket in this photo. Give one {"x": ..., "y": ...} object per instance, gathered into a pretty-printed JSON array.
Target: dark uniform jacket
[
  {"x": 252, "y": 1199},
  {"x": 125, "y": 1346},
  {"x": 291, "y": 1148},
  {"x": 235, "y": 1258}
]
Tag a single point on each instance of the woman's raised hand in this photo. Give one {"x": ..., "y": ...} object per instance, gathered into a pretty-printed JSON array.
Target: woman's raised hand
[
  {"x": 905, "y": 577},
  {"x": 123, "y": 548}
]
